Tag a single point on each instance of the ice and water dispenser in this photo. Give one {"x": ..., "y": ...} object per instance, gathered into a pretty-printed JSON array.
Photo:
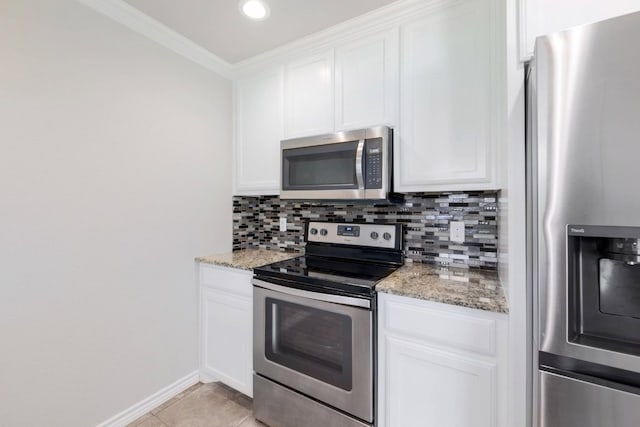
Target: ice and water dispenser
[{"x": 603, "y": 273}]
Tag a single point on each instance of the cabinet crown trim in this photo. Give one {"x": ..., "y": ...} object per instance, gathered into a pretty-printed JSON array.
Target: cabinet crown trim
[
  {"x": 375, "y": 21},
  {"x": 123, "y": 13},
  {"x": 127, "y": 15}
]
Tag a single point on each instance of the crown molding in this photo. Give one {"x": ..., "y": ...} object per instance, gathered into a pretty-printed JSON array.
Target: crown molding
[
  {"x": 376, "y": 20},
  {"x": 129, "y": 16},
  {"x": 373, "y": 21}
]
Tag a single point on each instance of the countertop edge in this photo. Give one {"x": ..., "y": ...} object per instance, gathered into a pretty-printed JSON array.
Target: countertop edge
[
  {"x": 474, "y": 289},
  {"x": 246, "y": 259},
  {"x": 417, "y": 281},
  {"x": 455, "y": 303}
]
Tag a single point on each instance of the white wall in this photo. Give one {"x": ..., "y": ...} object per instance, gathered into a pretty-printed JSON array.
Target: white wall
[{"x": 114, "y": 174}]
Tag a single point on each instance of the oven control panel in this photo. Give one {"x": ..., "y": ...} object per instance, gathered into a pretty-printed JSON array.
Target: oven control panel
[
  {"x": 349, "y": 230},
  {"x": 374, "y": 235}
]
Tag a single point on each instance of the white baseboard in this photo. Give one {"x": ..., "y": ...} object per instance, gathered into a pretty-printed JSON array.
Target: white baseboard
[
  {"x": 208, "y": 378},
  {"x": 156, "y": 399}
]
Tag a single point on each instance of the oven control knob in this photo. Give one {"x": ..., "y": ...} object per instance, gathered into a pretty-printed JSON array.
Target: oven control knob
[
  {"x": 314, "y": 231},
  {"x": 323, "y": 232},
  {"x": 374, "y": 235},
  {"x": 386, "y": 236}
]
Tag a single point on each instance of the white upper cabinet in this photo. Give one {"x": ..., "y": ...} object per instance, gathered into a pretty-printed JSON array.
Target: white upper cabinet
[
  {"x": 259, "y": 129},
  {"x": 540, "y": 17},
  {"x": 309, "y": 95},
  {"x": 432, "y": 70},
  {"x": 449, "y": 99},
  {"x": 366, "y": 82}
]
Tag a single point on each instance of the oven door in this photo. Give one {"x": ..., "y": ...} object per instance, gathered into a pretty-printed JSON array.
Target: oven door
[{"x": 315, "y": 344}]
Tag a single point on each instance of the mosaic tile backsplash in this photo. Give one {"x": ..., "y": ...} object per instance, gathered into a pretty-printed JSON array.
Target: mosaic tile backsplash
[{"x": 256, "y": 223}]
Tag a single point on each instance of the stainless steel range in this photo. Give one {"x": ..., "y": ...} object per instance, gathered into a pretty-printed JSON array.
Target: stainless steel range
[{"x": 314, "y": 327}]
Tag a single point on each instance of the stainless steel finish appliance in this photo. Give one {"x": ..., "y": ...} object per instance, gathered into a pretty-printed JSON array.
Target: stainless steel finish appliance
[
  {"x": 584, "y": 147},
  {"x": 314, "y": 326},
  {"x": 352, "y": 165}
]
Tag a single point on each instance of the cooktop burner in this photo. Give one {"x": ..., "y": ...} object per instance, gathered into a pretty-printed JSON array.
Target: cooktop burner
[
  {"x": 341, "y": 258},
  {"x": 329, "y": 273}
]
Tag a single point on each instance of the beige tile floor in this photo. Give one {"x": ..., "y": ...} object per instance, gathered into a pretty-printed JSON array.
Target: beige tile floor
[{"x": 203, "y": 405}]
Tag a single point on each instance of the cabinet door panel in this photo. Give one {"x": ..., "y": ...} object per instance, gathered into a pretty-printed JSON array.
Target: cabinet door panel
[
  {"x": 227, "y": 339},
  {"x": 226, "y": 279},
  {"x": 366, "y": 82},
  {"x": 458, "y": 332},
  {"x": 259, "y": 130},
  {"x": 309, "y": 96},
  {"x": 427, "y": 387},
  {"x": 448, "y": 103}
]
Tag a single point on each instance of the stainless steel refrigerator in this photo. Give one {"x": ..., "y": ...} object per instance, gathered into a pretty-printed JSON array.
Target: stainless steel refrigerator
[{"x": 583, "y": 146}]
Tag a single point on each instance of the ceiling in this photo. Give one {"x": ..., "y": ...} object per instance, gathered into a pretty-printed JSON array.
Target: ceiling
[{"x": 220, "y": 27}]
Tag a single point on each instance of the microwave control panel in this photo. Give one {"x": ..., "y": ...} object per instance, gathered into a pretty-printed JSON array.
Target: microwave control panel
[{"x": 373, "y": 163}]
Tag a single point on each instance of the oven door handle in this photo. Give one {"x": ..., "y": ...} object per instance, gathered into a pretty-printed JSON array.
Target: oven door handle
[
  {"x": 337, "y": 299},
  {"x": 359, "y": 177}
]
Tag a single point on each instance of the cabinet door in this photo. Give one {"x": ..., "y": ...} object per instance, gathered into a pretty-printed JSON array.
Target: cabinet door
[
  {"x": 428, "y": 387},
  {"x": 366, "y": 79},
  {"x": 227, "y": 339},
  {"x": 539, "y": 17},
  {"x": 449, "y": 100},
  {"x": 259, "y": 130},
  {"x": 309, "y": 96}
]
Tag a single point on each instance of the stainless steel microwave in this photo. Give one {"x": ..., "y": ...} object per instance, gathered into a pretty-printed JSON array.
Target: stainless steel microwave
[{"x": 351, "y": 165}]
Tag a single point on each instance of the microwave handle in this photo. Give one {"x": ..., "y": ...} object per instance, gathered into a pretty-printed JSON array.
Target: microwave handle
[{"x": 359, "y": 154}]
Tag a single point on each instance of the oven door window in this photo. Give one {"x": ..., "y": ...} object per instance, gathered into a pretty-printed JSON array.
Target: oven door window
[
  {"x": 313, "y": 342},
  {"x": 320, "y": 167}
]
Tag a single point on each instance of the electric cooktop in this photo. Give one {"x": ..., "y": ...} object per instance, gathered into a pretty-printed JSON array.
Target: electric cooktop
[
  {"x": 328, "y": 273},
  {"x": 341, "y": 258}
]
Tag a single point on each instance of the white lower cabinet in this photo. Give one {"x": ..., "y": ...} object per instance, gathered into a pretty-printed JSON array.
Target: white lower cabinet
[
  {"x": 440, "y": 365},
  {"x": 226, "y": 310},
  {"x": 427, "y": 387}
]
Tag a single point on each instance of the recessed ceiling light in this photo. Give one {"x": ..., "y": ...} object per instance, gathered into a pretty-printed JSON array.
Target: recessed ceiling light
[{"x": 255, "y": 9}]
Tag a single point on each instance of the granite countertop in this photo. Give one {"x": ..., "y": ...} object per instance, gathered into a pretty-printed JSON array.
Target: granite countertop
[
  {"x": 247, "y": 259},
  {"x": 478, "y": 289}
]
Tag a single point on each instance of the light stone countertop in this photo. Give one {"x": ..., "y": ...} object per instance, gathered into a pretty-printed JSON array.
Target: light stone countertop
[
  {"x": 247, "y": 259},
  {"x": 479, "y": 289}
]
